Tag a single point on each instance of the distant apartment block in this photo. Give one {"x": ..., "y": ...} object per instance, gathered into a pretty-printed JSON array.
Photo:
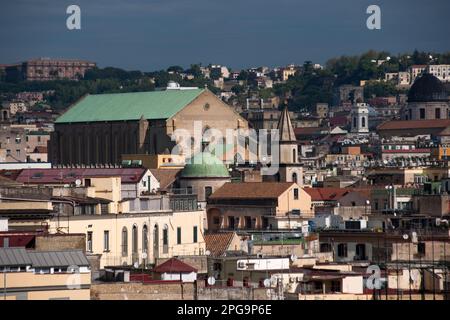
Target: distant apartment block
[
  {"x": 45, "y": 69},
  {"x": 440, "y": 71}
]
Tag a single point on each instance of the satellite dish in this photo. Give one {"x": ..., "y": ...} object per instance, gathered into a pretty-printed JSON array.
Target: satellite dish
[
  {"x": 208, "y": 253},
  {"x": 136, "y": 265},
  {"x": 266, "y": 283},
  {"x": 78, "y": 182},
  {"x": 211, "y": 281},
  {"x": 293, "y": 257},
  {"x": 144, "y": 255},
  {"x": 405, "y": 236}
]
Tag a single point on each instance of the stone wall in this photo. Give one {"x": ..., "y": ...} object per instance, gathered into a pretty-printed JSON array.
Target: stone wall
[
  {"x": 57, "y": 242},
  {"x": 173, "y": 291},
  {"x": 139, "y": 291}
]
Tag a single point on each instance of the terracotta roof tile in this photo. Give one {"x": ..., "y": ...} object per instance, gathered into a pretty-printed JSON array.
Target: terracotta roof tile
[
  {"x": 414, "y": 124},
  {"x": 174, "y": 265},
  {"x": 326, "y": 194},
  {"x": 166, "y": 177},
  {"x": 251, "y": 190},
  {"x": 70, "y": 175},
  {"x": 218, "y": 243}
]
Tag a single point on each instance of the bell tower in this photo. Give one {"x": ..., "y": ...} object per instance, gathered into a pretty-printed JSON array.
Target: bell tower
[
  {"x": 290, "y": 169},
  {"x": 360, "y": 118}
]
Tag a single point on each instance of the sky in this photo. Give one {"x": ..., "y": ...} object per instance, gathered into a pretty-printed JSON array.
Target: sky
[{"x": 151, "y": 35}]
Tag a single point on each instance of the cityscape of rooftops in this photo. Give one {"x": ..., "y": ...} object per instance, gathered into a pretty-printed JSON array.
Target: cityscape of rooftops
[{"x": 256, "y": 153}]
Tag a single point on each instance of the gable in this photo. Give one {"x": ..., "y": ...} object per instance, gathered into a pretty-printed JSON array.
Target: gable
[{"x": 211, "y": 111}]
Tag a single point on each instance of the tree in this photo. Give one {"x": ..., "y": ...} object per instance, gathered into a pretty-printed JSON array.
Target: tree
[{"x": 175, "y": 69}]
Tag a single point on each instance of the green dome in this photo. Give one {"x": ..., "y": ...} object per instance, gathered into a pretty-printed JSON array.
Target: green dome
[{"x": 204, "y": 165}]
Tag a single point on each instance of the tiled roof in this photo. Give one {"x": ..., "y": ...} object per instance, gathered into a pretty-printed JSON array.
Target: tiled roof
[
  {"x": 414, "y": 124},
  {"x": 420, "y": 150},
  {"x": 310, "y": 131},
  {"x": 129, "y": 106},
  {"x": 70, "y": 175},
  {"x": 174, "y": 265},
  {"x": 218, "y": 243},
  {"x": 251, "y": 190},
  {"x": 40, "y": 149},
  {"x": 326, "y": 194},
  {"x": 165, "y": 176},
  {"x": 10, "y": 174}
]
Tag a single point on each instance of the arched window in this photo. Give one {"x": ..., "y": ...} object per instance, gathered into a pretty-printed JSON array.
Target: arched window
[
  {"x": 363, "y": 122},
  {"x": 354, "y": 122},
  {"x": 156, "y": 241},
  {"x": 134, "y": 240},
  {"x": 165, "y": 239},
  {"x": 294, "y": 177},
  {"x": 124, "y": 242},
  {"x": 145, "y": 238},
  {"x": 294, "y": 156}
]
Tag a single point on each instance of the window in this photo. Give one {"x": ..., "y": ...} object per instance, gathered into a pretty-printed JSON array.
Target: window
[
  {"x": 342, "y": 250},
  {"x": 360, "y": 251},
  {"x": 363, "y": 122},
  {"x": 106, "y": 241},
  {"x": 166, "y": 236},
  {"x": 124, "y": 242},
  {"x": 295, "y": 194},
  {"x": 195, "y": 234},
  {"x": 294, "y": 156},
  {"x": 179, "y": 235},
  {"x": 294, "y": 177},
  {"x": 355, "y": 120},
  {"x": 421, "y": 248},
  {"x": 144, "y": 238},
  {"x": 89, "y": 241},
  {"x": 325, "y": 247},
  {"x": 87, "y": 182},
  {"x": 248, "y": 222},
  {"x": 8, "y": 152},
  {"x": 6, "y": 243},
  {"x": 166, "y": 239},
  {"x": 18, "y": 152},
  {"x": 134, "y": 240},
  {"x": 189, "y": 190},
  {"x": 208, "y": 192},
  {"x": 335, "y": 286},
  {"x": 437, "y": 113},
  {"x": 422, "y": 113}
]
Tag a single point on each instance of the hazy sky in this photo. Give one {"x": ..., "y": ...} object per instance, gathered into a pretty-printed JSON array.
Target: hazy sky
[{"x": 154, "y": 34}]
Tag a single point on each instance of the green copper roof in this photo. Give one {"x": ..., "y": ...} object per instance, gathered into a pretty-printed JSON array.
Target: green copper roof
[
  {"x": 129, "y": 106},
  {"x": 204, "y": 165}
]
